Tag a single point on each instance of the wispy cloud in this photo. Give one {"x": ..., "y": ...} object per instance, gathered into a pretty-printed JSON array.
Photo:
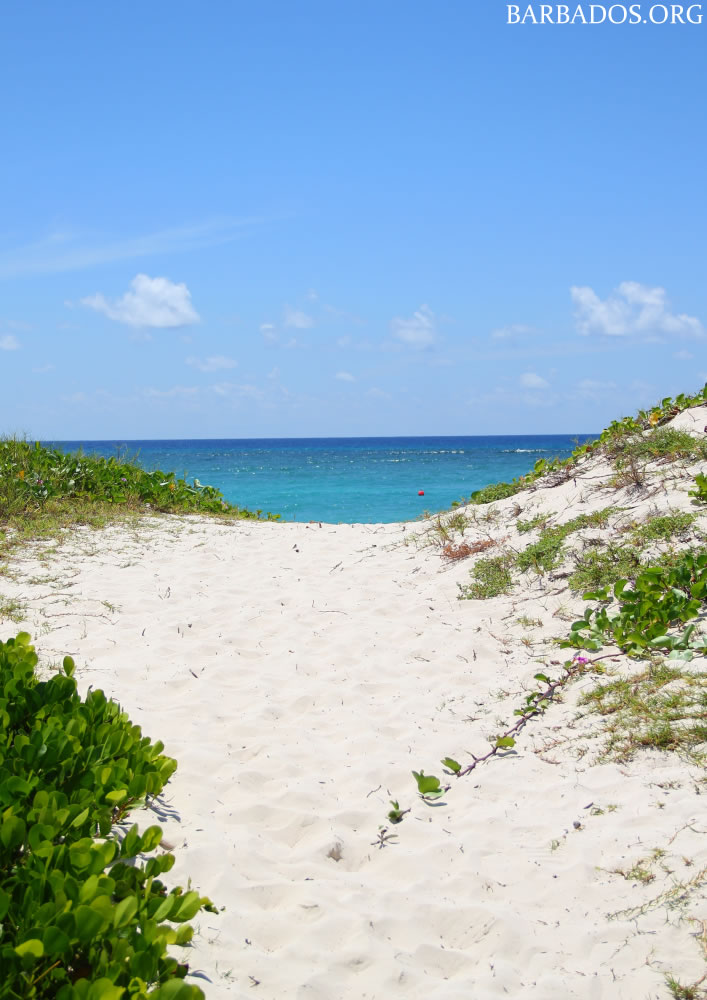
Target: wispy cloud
[
  {"x": 59, "y": 252},
  {"x": 9, "y": 343},
  {"x": 214, "y": 363},
  {"x": 243, "y": 390},
  {"x": 529, "y": 380},
  {"x": 631, "y": 309},
  {"x": 511, "y": 332},
  {"x": 345, "y": 377},
  {"x": 417, "y": 331},
  {"x": 150, "y": 302},
  {"x": 683, "y": 356},
  {"x": 297, "y": 319}
]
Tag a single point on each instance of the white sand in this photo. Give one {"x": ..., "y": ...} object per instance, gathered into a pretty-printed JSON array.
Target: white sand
[{"x": 299, "y": 673}]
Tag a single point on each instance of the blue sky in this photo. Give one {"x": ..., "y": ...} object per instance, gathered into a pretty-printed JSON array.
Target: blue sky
[{"x": 267, "y": 219}]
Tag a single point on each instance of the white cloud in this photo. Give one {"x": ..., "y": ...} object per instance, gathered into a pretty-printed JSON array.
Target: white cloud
[
  {"x": 632, "y": 308},
  {"x": 274, "y": 373},
  {"x": 683, "y": 356},
  {"x": 150, "y": 302},
  {"x": 269, "y": 334},
  {"x": 532, "y": 381},
  {"x": 214, "y": 363},
  {"x": 511, "y": 331},
  {"x": 296, "y": 318},
  {"x": 9, "y": 343},
  {"x": 345, "y": 377},
  {"x": 378, "y": 393},
  {"x": 418, "y": 331}
]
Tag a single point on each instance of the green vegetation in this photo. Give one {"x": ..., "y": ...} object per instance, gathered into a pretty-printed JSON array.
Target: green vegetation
[
  {"x": 601, "y": 566},
  {"x": 664, "y": 707},
  {"x": 495, "y": 491},
  {"x": 623, "y": 440},
  {"x": 662, "y": 598},
  {"x": 546, "y": 553},
  {"x": 43, "y": 490},
  {"x": 666, "y": 443},
  {"x": 84, "y": 915},
  {"x": 491, "y": 578},
  {"x": 536, "y": 522},
  {"x": 700, "y": 491},
  {"x": 662, "y": 528}
]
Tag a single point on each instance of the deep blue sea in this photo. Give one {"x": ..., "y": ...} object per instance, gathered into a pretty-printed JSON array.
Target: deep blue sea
[{"x": 343, "y": 479}]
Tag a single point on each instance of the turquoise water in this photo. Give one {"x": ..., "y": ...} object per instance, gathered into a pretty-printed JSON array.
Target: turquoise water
[{"x": 364, "y": 480}]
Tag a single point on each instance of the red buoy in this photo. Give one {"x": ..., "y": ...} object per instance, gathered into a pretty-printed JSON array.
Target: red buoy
[{"x": 421, "y": 493}]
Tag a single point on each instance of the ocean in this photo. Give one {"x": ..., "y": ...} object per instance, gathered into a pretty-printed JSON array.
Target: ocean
[{"x": 350, "y": 480}]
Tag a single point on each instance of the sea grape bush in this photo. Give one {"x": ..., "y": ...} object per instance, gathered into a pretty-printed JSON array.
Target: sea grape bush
[
  {"x": 662, "y": 598},
  {"x": 83, "y": 914},
  {"x": 32, "y": 475}
]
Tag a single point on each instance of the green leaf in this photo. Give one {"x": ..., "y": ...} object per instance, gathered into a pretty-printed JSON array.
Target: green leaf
[
  {"x": 151, "y": 838},
  {"x": 543, "y": 678},
  {"x": 188, "y": 908},
  {"x": 12, "y": 832},
  {"x": 505, "y": 741},
  {"x": 452, "y": 764},
  {"x": 33, "y": 947},
  {"x": 125, "y": 911},
  {"x": 176, "y": 989},
  {"x": 165, "y": 908},
  {"x": 426, "y": 782},
  {"x": 104, "y": 989},
  {"x": 88, "y": 923},
  {"x": 55, "y": 941}
]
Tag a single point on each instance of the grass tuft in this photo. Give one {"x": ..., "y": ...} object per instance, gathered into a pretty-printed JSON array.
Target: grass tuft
[
  {"x": 664, "y": 707},
  {"x": 491, "y": 577}
]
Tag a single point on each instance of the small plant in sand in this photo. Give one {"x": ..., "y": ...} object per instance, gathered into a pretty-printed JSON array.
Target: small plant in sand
[
  {"x": 536, "y": 702},
  {"x": 396, "y": 814},
  {"x": 491, "y": 577},
  {"x": 455, "y": 552},
  {"x": 699, "y": 493},
  {"x": 429, "y": 786}
]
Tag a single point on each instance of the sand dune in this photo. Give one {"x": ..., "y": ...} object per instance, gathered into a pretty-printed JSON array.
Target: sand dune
[{"x": 299, "y": 673}]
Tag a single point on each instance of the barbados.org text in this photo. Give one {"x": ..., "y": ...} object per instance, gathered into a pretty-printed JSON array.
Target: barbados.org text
[{"x": 593, "y": 13}]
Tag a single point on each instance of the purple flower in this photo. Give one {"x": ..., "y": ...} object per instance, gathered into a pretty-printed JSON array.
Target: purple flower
[{"x": 581, "y": 659}]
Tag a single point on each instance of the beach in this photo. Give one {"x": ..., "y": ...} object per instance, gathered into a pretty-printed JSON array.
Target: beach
[{"x": 300, "y": 672}]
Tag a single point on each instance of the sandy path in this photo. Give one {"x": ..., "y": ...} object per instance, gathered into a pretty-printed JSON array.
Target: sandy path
[{"x": 298, "y": 673}]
